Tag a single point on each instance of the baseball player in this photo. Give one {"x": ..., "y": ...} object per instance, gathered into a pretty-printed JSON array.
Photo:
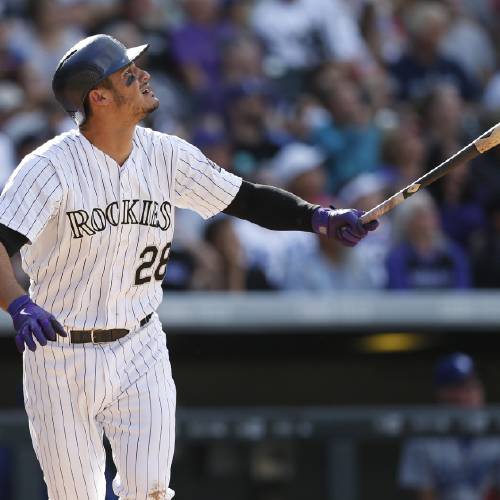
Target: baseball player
[
  {"x": 92, "y": 212},
  {"x": 460, "y": 467}
]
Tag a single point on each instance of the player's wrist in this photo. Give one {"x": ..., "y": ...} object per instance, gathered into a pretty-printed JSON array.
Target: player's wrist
[
  {"x": 17, "y": 304},
  {"x": 320, "y": 220}
]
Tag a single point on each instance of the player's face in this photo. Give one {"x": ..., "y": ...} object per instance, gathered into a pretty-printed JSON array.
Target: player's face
[
  {"x": 469, "y": 394},
  {"x": 132, "y": 93}
]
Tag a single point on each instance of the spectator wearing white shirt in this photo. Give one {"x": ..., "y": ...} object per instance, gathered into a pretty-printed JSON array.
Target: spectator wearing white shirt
[
  {"x": 468, "y": 42},
  {"x": 328, "y": 268},
  {"x": 319, "y": 265},
  {"x": 365, "y": 192},
  {"x": 301, "y": 34},
  {"x": 297, "y": 168}
]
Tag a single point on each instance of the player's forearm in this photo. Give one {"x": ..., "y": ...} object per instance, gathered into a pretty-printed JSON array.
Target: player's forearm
[
  {"x": 271, "y": 208},
  {"x": 10, "y": 289}
]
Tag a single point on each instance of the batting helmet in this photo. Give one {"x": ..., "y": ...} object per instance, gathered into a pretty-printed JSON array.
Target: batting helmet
[{"x": 85, "y": 65}]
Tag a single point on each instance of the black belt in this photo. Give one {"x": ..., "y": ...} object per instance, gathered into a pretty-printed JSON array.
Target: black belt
[{"x": 100, "y": 336}]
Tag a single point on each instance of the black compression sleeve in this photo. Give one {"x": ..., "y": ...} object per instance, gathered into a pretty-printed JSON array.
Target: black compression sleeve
[
  {"x": 272, "y": 208},
  {"x": 11, "y": 240}
]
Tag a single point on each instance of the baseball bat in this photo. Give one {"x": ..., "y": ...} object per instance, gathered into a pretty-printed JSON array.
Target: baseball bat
[{"x": 483, "y": 143}]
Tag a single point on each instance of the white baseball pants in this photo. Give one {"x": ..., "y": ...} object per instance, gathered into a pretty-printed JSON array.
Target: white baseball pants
[{"x": 75, "y": 392}]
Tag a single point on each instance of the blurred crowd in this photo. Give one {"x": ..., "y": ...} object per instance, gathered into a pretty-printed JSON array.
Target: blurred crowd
[{"x": 340, "y": 102}]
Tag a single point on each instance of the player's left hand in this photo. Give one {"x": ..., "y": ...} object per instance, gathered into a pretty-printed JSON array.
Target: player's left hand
[
  {"x": 342, "y": 224},
  {"x": 30, "y": 320}
]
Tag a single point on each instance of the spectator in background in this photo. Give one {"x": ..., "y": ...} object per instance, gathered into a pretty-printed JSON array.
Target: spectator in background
[
  {"x": 403, "y": 155},
  {"x": 381, "y": 29},
  {"x": 211, "y": 137},
  {"x": 300, "y": 35},
  {"x": 485, "y": 171},
  {"x": 8, "y": 159},
  {"x": 468, "y": 42},
  {"x": 455, "y": 467},
  {"x": 237, "y": 15},
  {"x": 11, "y": 101},
  {"x": 457, "y": 194},
  {"x": 462, "y": 215},
  {"x": 491, "y": 96},
  {"x": 424, "y": 258},
  {"x": 44, "y": 44},
  {"x": 299, "y": 168},
  {"x": 315, "y": 54},
  {"x": 235, "y": 275},
  {"x": 485, "y": 249},
  {"x": 365, "y": 192},
  {"x": 316, "y": 265},
  {"x": 241, "y": 61},
  {"x": 150, "y": 16},
  {"x": 346, "y": 133},
  {"x": 327, "y": 268},
  {"x": 12, "y": 60},
  {"x": 252, "y": 132},
  {"x": 423, "y": 65},
  {"x": 446, "y": 123},
  {"x": 195, "y": 267},
  {"x": 197, "y": 46},
  {"x": 482, "y": 10}
]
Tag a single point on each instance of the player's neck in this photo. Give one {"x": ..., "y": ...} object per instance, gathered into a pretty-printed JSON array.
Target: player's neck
[{"x": 115, "y": 141}]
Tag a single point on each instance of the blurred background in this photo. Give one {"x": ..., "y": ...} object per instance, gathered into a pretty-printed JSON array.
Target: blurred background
[{"x": 305, "y": 370}]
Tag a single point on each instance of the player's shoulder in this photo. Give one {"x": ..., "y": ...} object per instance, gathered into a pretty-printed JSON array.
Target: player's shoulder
[
  {"x": 53, "y": 150},
  {"x": 46, "y": 160}
]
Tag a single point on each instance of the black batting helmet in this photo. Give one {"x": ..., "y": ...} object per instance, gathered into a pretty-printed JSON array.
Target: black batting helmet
[{"x": 85, "y": 65}]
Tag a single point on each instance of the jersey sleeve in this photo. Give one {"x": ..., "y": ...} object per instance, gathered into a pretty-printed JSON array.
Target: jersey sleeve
[
  {"x": 31, "y": 197},
  {"x": 200, "y": 184}
]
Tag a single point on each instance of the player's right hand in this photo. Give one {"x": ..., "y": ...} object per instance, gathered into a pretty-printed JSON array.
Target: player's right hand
[
  {"x": 31, "y": 321},
  {"x": 344, "y": 225}
]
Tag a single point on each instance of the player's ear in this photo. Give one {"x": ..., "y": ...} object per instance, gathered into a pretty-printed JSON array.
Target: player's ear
[{"x": 99, "y": 97}]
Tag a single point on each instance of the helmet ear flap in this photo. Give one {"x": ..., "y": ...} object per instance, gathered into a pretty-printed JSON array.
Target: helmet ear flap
[{"x": 74, "y": 90}]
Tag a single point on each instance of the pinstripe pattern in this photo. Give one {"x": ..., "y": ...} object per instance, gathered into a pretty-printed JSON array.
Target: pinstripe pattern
[
  {"x": 69, "y": 443},
  {"x": 82, "y": 279},
  {"x": 90, "y": 223}
]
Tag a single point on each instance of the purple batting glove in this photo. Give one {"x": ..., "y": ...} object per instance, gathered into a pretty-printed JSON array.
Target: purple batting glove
[
  {"x": 31, "y": 320},
  {"x": 342, "y": 224}
]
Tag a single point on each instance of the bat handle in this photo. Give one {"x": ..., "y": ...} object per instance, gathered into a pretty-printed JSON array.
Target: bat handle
[
  {"x": 386, "y": 206},
  {"x": 369, "y": 216}
]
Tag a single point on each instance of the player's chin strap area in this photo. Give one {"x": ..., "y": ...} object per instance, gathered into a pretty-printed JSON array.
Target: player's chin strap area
[{"x": 102, "y": 336}]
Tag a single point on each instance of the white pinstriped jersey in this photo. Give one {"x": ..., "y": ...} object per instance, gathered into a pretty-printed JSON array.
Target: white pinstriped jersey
[{"x": 100, "y": 234}]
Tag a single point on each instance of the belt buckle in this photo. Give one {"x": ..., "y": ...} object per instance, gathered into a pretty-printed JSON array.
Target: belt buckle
[{"x": 92, "y": 337}]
